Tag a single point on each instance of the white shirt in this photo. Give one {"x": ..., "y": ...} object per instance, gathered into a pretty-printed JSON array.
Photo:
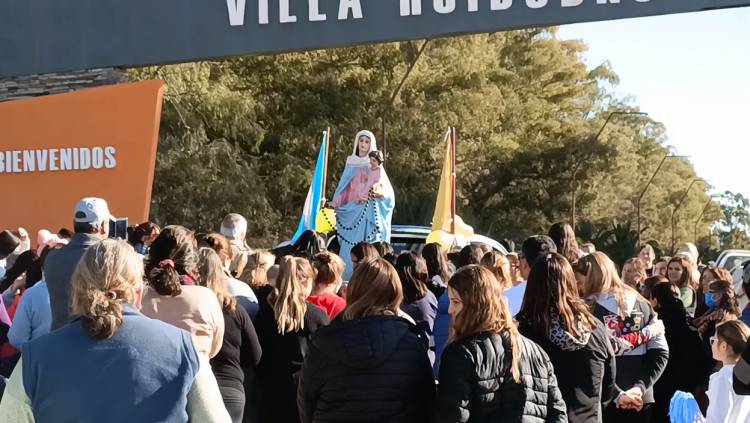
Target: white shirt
[
  {"x": 724, "y": 405},
  {"x": 237, "y": 288},
  {"x": 515, "y": 297}
]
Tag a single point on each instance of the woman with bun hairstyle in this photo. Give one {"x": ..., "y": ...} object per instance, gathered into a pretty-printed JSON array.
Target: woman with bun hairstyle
[
  {"x": 284, "y": 328},
  {"x": 178, "y": 245},
  {"x": 111, "y": 364},
  {"x": 172, "y": 294},
  {"x": 369, "y": 365},
  {"x": 500, "y": 267},
  {"x": 329, "y": 267}
]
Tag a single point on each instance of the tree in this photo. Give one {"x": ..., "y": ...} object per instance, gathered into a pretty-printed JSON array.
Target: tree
[
  {"x": 241, "y": 135},
  {"x": 733, "y": 227}
]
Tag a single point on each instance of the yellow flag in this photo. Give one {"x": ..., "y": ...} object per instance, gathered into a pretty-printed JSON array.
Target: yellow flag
[{"x": 441, "y": 219}]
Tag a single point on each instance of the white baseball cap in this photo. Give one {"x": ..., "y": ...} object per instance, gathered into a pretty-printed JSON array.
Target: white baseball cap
[{"x": 91, "y": 210}]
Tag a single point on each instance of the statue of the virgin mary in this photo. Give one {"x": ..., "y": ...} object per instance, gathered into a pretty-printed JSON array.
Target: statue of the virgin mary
[{"x": 364, "y": 199}]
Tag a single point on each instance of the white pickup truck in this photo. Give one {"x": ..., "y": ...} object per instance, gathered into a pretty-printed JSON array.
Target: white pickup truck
[{"x": 732, "y": 260}]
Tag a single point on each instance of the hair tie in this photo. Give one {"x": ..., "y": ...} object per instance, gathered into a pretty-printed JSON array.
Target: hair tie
[
  {"x": 166, "y": 263},
  {"x": 111, "y": 295}
]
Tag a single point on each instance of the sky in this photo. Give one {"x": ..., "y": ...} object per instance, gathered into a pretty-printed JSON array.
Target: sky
[{"x": 690, "y": 72}]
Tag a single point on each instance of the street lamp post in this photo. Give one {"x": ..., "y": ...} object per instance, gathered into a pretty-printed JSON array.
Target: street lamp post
[
  {"x": 705, "y": 208},
  {"x": 574, "y": 178},
  {"x": 640, "y": 197},
  {"x": 679, "y": 204}
]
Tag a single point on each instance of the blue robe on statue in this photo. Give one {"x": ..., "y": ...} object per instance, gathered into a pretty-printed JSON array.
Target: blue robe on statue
[{"x": 369, "y": 219}]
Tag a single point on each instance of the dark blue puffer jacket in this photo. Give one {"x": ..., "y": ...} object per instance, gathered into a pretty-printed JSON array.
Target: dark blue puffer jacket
[{"x": 441, "y": 329}]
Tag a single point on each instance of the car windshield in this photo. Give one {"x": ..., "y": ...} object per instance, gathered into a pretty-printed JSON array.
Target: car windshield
[
  {"x": 733, "y": 261},
  {"x": 401, "y": 244}
]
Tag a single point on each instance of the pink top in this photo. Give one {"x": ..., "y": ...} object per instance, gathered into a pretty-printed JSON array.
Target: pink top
[
  {"x": 359, "y": 187},
  {"x": 196, "y": 309},
  {"x": 373, "y": 179}
]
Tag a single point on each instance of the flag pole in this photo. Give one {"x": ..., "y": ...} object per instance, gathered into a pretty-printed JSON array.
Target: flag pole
[
  {"x": 327, "y": 139},
  {"x": 453, "y": 180}
]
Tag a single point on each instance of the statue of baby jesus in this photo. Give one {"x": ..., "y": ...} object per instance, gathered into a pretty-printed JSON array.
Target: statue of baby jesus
[{"x": 373, "y": 187}]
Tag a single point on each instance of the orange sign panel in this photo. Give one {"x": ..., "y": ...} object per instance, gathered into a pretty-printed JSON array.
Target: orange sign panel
[{"x": 57, "y": 149}]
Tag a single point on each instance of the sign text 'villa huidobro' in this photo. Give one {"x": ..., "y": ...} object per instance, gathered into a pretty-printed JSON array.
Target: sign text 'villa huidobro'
[
  {"x": 352, "y": 9},
  {"x": 43, "y": 36}
]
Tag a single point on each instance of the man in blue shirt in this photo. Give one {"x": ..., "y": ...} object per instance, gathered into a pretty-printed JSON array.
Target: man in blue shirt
[{"x": 532, "y": 248}]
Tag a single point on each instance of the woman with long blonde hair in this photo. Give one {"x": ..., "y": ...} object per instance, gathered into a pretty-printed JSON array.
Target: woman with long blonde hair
[
  {"x": 642, "y": 349},
  {"x": 368, "y": 353},
  {"x": 111, "y": 363},
  {"x": 240, "y": 292},
  {"x": 488, "y": 371},
  {"x": 255, "y": 273},
  {"x": 284, "y": 327},
  {"x": 500, "y": 267},
  {"x": 240, "y": 349}
]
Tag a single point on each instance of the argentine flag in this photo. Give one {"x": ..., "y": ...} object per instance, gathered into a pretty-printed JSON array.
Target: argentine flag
[{"x": 315, "y": 193}]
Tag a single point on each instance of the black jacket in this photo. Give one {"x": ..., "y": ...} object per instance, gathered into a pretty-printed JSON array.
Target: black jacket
[
  {"x": 688, "y": 367},
  {"x": 281, "y": 362},
  {"x": 585, "y": 376},
  {"x": 741, "y": 373},
  {"x": 239, "y": 350},
  {"x": 476, "y": 383},
  {"x": 373, "y": 369}
]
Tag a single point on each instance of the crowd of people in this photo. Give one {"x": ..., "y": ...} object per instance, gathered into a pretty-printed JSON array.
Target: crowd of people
[{"x": 176, "y": 326}]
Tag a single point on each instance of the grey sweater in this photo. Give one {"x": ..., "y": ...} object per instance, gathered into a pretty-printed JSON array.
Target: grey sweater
[{"x": 58, "y": 269}]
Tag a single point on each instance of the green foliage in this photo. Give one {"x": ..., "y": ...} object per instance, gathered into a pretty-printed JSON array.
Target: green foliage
[
  {"x": 734, "y": 224},
  {"x": 241, "y": 135},
  {"x": 200, "y": 196},
  {"x": 619, "y": 242}
]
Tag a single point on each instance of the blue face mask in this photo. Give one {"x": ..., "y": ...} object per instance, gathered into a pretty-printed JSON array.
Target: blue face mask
[{"x": 710, "y": 302}]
